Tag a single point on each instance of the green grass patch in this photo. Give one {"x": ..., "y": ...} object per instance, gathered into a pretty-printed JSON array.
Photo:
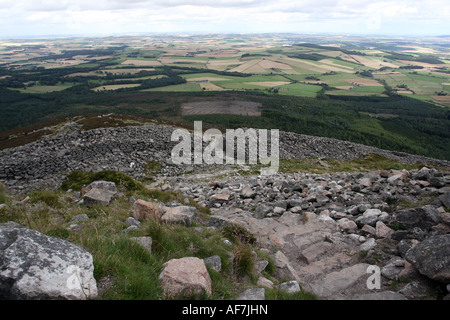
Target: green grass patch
[
  {"x": 133, "y": 271},
  {"x": 206, "y": 75},
  {"x": 277, "y": 294},
  {"x": 3, "y": 196},
  {"x": 58, "y": 232},
  {"x": 299, "y": 89},
  {"x": 371, "y": 89},
  {"x": 77, "y": 179},
  {"x": 49, "y": 197},
  {"x": 244, "y": 262},
  {"x": 368, "y": 163},
  {"x": 43, "y": 89}
]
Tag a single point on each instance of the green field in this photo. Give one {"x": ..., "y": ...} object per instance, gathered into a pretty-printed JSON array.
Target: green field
[
  {"x": 421, "y": 84},
  {"x": 43, "y": 89},
  {"x": 369, "y": 89},
  {"x": 299, "y": 89},
  {"x": 336, "y": 65}
]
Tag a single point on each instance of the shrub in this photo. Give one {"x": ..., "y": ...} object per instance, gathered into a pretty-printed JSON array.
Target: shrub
[
  {"x": 77, "y": 179},
  {"x": 238, "y": 234}
]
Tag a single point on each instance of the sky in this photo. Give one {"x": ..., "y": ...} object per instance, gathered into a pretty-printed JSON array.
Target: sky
[{"x": 19, "y": 18}]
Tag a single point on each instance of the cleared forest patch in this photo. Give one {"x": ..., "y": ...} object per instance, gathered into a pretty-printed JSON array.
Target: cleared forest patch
[{"x": 238, "y": 107}]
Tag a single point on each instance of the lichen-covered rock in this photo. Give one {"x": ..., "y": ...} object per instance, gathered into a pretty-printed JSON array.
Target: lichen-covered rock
[
  {"x": 179, "y": 215},
  {"x": 98, "y": 196},
  {"x": 35, "y": 266}
]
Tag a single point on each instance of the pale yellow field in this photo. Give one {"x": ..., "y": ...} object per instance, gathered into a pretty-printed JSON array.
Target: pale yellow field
[
  {"x": 404, "y": 92},
  {"x": 331, "y": 63},
  {"x": 317, "y": 68},
  {"x": 268, "y": 64},
  {"x": 226, "y": 53},
  {"x": 344, "y": 87},
  {"x": 207, "y": 79},
  {"x": 267, "y": 83},
  {"x": 246, "y": 65},
  {"x": 441, "y": 98},
  {"x": 256, "y": 69},
  {"x": 421, "y": 50},
  {"x": 363, "y": 82},
  {"x": 376, "y": 64},
  {"x": 421, "y": 64},
  {"x": 169, "y": 60},
  {"x": 221, "y": 65},
  {"x": 80, "y": 57}
]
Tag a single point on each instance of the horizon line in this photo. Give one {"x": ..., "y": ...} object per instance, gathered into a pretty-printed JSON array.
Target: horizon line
[{"x": 130, "y": 34}]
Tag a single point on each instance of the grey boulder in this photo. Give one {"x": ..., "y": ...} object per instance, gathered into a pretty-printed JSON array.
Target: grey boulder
[
  {"x": 423, "y": 218},
  {"x": 431, "y": 257},
  {"x": 34, "y": 266}
]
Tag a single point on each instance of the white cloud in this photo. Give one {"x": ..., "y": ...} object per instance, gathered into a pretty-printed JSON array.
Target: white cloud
[{"x": 89, "y": 16}]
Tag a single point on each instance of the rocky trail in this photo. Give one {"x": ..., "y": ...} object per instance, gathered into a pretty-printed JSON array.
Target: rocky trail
[{"x": 326, "y": 230}]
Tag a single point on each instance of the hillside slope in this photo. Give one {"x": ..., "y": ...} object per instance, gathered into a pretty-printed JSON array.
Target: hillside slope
[{"x": 334, "y": 215}]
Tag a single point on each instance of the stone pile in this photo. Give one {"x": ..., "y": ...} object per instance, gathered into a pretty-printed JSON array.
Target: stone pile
[
  {"x": 325, "y": 230},
  {"x": 46, "y": 162}
]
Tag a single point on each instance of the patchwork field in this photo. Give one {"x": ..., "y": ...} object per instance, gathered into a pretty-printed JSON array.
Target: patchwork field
[{"x": 295, "y": 65}]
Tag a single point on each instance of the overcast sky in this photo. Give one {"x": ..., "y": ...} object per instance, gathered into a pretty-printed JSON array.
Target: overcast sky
[{"x": 104, "y": 17}]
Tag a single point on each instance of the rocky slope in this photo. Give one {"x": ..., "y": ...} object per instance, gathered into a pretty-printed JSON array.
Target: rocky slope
[
  {"x": 46, "y": 162},
  {"x": 325, "y": 230},
  {"x": 328, "y": 232}
]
